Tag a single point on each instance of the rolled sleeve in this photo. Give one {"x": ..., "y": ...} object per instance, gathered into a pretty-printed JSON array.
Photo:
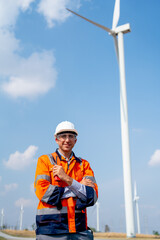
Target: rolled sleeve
[{"x": 78, "y": 189}]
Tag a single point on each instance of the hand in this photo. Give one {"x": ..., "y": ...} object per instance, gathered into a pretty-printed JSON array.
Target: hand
[
  {"x": 59, "y": 171},
  {"x": 87, "y": 182}
]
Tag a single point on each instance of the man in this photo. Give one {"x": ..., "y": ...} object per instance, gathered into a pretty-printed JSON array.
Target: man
[{"x": 65, "y": 186}]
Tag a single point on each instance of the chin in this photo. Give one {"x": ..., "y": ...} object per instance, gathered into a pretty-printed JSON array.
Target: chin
[{"x": 67, "y": 150}]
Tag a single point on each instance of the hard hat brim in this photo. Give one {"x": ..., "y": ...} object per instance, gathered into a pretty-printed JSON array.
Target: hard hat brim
[{"x": 66, "y": 130}]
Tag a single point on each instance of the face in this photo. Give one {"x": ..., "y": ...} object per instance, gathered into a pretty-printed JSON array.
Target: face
[{"x": 66, "y": 142}]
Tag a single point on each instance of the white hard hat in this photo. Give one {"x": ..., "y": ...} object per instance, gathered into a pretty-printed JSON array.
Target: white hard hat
[{"x": 65, "y": 127}]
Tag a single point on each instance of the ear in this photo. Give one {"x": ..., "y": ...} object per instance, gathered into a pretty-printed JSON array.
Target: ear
[{"x": 56, "y": 139}]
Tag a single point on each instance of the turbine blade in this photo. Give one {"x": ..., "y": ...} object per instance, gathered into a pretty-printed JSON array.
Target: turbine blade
[
  {"x": 116, "y": 14},
  {"x": 96, "y": 24},
  {"x": 116, "y": 47}
]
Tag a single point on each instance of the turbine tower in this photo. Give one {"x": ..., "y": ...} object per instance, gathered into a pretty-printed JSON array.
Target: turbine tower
[
  {"x": 97, "y": 205},
  {"x": 117, "y": 33},
  {"x": 136, "y": 198},
  {"x": 21, "y": 217},
  {"x": 2, "y": 218}
]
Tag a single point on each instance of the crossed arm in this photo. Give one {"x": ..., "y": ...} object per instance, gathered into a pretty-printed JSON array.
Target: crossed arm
[
  {"x": 85, "y": 190},
  {"x": 59, "y": 171},
  {"x": 74, "y": 189}
]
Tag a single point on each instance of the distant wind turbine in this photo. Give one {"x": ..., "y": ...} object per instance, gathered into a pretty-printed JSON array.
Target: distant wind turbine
[
  {"x": 97, "y": 205},
  {"x": 136, "y": 198},
  {"x": 21, "y": 218},
  {"x": 117, "y": 34},
  {"x": 2, "y": 218}
]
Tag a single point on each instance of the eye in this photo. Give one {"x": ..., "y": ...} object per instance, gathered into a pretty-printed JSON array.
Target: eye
[
  {"x": 71, "y": 136},
  {"x": 64, "y": 136}
]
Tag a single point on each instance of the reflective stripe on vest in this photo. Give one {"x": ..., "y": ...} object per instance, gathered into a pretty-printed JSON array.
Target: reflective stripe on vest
[
  {"x": 39, "y": 177},
  {"x": 48, "y": 193},
  {"x": 51, "y": 158},
  {"x": 50, "y": 211},
  {"x": 43, "y": 176}
]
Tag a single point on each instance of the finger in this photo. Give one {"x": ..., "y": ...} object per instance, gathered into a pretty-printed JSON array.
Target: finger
[
  {"x": 91, "y": 184},
  {"x": 55, "y": 168},
  {"x": 54, "y": 171}
]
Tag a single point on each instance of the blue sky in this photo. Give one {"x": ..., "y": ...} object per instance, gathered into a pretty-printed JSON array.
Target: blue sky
[{"x": 55, "y": 66}]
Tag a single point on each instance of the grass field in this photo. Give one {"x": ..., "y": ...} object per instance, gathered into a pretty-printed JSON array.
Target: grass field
[
  {"x": 119, "y": 236},
  {"x": 18, "y": 233},
  {"x": 109, "y": 235}
]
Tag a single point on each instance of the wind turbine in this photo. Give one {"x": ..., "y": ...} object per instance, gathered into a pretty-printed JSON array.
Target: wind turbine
[
  {"x": 2, "y": 217},
  {"x": 136, "y": 198},
  {"x": 117, "y": 34},
  {"x": 97, "y": 205},
  {"x": 21, "y": 217}
]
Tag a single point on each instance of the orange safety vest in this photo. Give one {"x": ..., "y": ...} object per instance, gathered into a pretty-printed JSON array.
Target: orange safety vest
[{"x": 56, "y": 215}]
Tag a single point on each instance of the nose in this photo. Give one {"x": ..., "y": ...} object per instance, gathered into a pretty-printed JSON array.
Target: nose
[{"x": 67, "y": 138}]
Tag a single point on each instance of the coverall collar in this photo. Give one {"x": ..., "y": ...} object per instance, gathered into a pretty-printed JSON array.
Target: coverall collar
[{"x": 60, "y": 155}]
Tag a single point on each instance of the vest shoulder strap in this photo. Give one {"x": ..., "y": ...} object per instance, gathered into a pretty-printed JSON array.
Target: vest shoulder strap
[{"x": 51, "y": 158}]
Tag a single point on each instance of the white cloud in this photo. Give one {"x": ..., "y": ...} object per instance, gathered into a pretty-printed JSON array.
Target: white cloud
[
  {"x": 32, "y": 77},
  {"x": 24, "y": 202},
  {"x": 18, "y": 161},
  {"x": 9, "y": 11},
  {"x": 24, "y": 4},
  {"x": 9, "y": 187},
  {"x": 155, "y": 158},
  {"x": 55, "y": 11},
  {"x": 22, "y": 77},
  {"x": 28, "y": 77}
]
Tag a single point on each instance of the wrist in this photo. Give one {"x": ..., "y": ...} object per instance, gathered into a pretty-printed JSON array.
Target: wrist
[{"x": 68, "y": 180}]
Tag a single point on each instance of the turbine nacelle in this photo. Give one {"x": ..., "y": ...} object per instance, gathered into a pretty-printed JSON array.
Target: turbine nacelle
[{"x": 125, "y": 28}]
